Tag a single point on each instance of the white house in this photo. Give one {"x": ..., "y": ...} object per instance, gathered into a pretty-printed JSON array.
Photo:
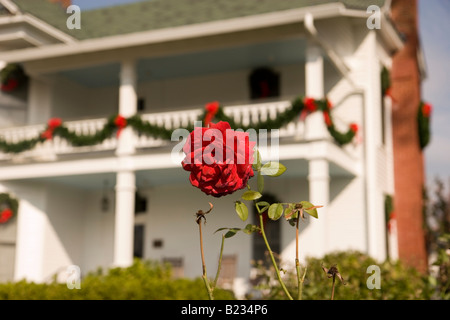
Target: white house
[{"x": 164, "y": 60}]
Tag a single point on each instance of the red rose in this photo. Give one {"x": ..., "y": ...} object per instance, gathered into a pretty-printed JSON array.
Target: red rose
[
  {"x": 5, "y": 215},
  {"x": 219, "y": 159}
]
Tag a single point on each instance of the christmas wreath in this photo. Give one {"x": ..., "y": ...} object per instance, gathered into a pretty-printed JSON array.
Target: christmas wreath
[
  {"x": 8, "y": 208},
  {"x": 12, "y": 77}
]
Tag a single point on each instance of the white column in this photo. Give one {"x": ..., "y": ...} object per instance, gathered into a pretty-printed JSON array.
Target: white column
[
  {"x": 376, "y": 231},
  {"x": 124, "y": 219},
  {"x": 319, "y": 195},
  {"x": 127, "y": 105},
  {"x": 314, "y": 88},
  {"x": 31, "y": 234}
]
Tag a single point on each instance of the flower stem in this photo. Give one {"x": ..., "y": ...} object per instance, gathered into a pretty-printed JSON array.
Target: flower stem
[
  {"x": 219, "y": 266},
  {"x": 332, "y": 287},
  {"x": 204, "y": 276},
  {"x": 283, "y": 286},
  {"x": 300, "y": 280}
]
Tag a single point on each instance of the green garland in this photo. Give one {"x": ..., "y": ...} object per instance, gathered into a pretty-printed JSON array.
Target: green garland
[
  {"x": 423, "y": 119},
  {"x": 8, "y": 207},
  {"x": 385, "y": 80},
  {"x": 299, "y": 108}
]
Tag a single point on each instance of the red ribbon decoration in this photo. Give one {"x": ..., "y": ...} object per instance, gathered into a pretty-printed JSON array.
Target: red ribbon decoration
[
  {"x": 392, "y": 218},
  {"x": 121, "y": 123},
  {"x": 211, "y": 110},
  {"x": 5, "y": 215},
  {"x": 10, "y": 85},
  {"x": 355, "y": 128},
  {"x": 388, "y": 93},
  {"x": 52, "y": 124},
  {"x": 310, "y": 106},
  {"x": 426, "y": 110},
  {"x": 327, "y": 119}
]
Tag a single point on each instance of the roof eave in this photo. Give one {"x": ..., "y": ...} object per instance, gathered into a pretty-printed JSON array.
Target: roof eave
[
  {"x": 171, "y": 34},
  {"x": 74, "y": 47}
]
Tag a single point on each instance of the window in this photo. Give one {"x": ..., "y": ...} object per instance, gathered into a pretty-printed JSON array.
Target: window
[
  {"x": 264, "y": 83},
  {"x": 140, "y": 204},
  {"x": 141, "y": 105},
  {"x": 139, "y": 241}
]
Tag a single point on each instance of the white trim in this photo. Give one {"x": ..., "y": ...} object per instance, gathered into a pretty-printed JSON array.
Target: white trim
[
  {"x": 40, "y": 25},
  {"x": 10, "y": 6},
  {"x": 173, "y": 34},
  {"x": 337, "y": 61},
  {"x": 50, "y": 30},
  {"x": 387, "y": 31},
  {"x": 308, "y": 150}
]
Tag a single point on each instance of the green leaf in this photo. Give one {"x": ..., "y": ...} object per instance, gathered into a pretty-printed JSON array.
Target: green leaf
[
  {"x": 232, "y": 232},
  {"x": 241, "y": 210},
  {"x": 310, "y": 209},
  {"x": 257, "y": 157},
  {"x": 250, "y": 228},
  {"x": 275, "y": 211},
  {"x": 251, "y": 195},
  {"x": 260, "y": 180},
  {"x": 273, "y": 169},
  {"x": 262, "y": 206}
]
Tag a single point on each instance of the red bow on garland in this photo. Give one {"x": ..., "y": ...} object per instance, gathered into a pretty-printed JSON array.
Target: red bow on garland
[
  {"x": 211, "y": 110},
  {"x": 426, "y": 110},
  {"x": 52, "y": 124},
  {"x": 121, "y": 123},
  {"x": 310, "y": 106}
]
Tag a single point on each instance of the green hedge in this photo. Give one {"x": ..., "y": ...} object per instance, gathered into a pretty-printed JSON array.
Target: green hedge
[
  {"x": 397, "y": 282},
  {"x": 144, "y": 280}
]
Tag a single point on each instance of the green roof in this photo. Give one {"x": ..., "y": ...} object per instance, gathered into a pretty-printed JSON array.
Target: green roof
[{"x": 158, "y": 14}]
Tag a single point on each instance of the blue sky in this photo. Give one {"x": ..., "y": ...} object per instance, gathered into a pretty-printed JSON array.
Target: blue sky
[
  {"x": 434, "y": 26},
  {"x": 93, "y": 4}
]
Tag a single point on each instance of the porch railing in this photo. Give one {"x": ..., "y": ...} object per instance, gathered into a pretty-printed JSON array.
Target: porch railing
[{"x": 170, "y": 120}]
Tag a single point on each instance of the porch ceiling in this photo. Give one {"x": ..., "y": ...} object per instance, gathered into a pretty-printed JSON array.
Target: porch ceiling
[{"x": 287, "y": 51}]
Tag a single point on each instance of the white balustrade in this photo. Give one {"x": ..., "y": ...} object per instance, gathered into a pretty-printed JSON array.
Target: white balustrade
[{"x": 244, "y": 114}]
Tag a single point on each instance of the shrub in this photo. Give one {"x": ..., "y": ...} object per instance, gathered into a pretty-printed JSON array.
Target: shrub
[
  {"x": 144, "y": 280},
  {"x": 398, "y": 282}
]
